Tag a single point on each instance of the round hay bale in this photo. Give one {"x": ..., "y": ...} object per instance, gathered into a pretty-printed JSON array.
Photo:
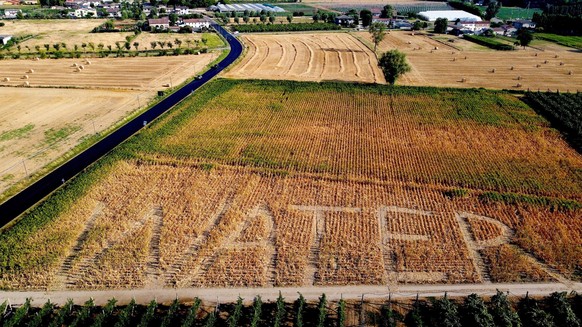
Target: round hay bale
[
  {"x": 36, "y": 58},
  {"x": 77, "y": 70},
  {"x": 30, "y": 71},
  {"x": 75, "y": 65},
  {"x": 518, "y": 85},
  {"x": 536, "y": 54},
  {"x": 570, "y": 72},
  {"x": 511, "y": 68},
  {"x": 436, "y": 48},
  {"x": 6, "y": 79},
  {"x": 81, "y": 67},
  {"x": 463, "y": 80},
  {"x": 545, "y": 61},
  {"x": 25, "y": 77},
  {"x": 519, "y": 78},
  {"x": 556, "y": 56},
  {"x": 538, "y": 65},
  {"x": 409, "y": 42},
  {"x": 493, "y": 70},
  {"x": 87, "y": 62},
  {"x": 561, "y": 63}
]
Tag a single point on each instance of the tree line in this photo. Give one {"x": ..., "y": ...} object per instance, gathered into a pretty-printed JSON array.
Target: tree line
[{"x": 555, "y": 310}]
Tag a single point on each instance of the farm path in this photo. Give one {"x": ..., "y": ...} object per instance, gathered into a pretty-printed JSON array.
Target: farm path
[{"x": 333, "y": 293}]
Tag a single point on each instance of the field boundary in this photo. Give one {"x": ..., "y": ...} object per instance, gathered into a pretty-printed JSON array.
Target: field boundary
[{"x": 311, "y": 293}]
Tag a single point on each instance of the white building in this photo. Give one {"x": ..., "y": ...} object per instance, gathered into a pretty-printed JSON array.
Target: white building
[
  {"x": 11, "y": 13},
  {"x": 197, "y": 23},
  {"x": 450, "y": 15},
  {"x": 83, "y": 12},
  {"x": 5, "y": 38}
]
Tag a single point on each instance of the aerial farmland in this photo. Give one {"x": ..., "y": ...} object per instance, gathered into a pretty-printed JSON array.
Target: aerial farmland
[{"x": 295, "y": 169}]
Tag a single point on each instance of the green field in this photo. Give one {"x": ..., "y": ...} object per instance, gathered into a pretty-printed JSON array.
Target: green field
[
  {"x": 568, "y": 41},
  {"x": 513, "y": 13}
]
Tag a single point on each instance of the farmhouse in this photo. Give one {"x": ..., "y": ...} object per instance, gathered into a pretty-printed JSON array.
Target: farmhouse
[
  {"x": 5, "y": 38},
  {"x": 504, "y": 30},
  {"x": 385, "y": 21},
  {"x": 197, "y": 23},
  {"x": 451, "y": 15},
  {"x": 159, "y": 23},
  {"x": 524, "y": 24},
  {"x": 344, "y": 20},
  {"x": 469, "y": 26},
  {"x": 113, "y": 12},
  {"x": 83, "y": 12},
  {"x": 11, "y": 13}
]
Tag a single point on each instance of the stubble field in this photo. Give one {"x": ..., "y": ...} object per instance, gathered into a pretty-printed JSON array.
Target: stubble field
[
  {"x": 465, "y": 64},
  {"x": 258, "y": 183},
  {"x": 62, "y": 106},
  {"x": 307, "y": 57},
  {"x": 78, "y": 32}
]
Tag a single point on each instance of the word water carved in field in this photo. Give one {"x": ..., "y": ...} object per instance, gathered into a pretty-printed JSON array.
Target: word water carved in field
[{"x": 311, "y": 245}]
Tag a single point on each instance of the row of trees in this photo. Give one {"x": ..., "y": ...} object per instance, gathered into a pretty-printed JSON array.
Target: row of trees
[
  {"x": 286, "y": 27},
  {"x": 556, "y": 310}
]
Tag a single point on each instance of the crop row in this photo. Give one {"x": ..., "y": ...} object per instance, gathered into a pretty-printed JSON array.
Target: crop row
[
  {"x": 563, "y": 110},
  {"x": 557, "y": 309}
]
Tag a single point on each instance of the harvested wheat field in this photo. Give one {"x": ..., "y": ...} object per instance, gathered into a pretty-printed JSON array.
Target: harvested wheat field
[
  {"x": 143, "y": 73},
  {"x": 465, "y": 64},
  {"x": 307, "y": 57},
  {"x": 50, "y": 106},
  {"x": 69, "y": 32},
  {"x": 38, "y": 125},
  {"x": 264, "y": 183}
]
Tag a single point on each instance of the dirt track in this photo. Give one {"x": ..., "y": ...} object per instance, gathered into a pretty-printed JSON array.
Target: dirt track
[
  {"x": 307, "y": 57},
  {"x": 333, "y": 293}
]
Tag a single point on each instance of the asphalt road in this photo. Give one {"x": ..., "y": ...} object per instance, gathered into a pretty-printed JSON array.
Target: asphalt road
[{"x": 19, "y": 203}]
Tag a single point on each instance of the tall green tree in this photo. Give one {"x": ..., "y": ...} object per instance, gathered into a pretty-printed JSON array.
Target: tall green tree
[
  {"x": 532, "y": 315},
  {"x": 560, "y": 308},
  {"x": 445, "y": 313},
  {"x": 440, "y": 25},
  {"x": 378, "y": 31},
  {"x": 475, "y": 312},
  {"x": 492, "y": 9},
  {"x": 524, "y": 37},
  {"x": 393, "y": 64},
  {"x": 503, "y": 314},
  {"x": 387, "y": 12},
  {"x": 366, "y": 17}
]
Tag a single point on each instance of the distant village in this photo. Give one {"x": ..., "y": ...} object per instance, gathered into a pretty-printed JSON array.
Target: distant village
[{"x": 162, "y": 17}]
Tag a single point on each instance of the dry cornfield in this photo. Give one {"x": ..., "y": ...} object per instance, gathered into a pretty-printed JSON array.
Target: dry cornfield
[
  {"x": 307, "y": 57},
  {"x": 261, "y": 184}
]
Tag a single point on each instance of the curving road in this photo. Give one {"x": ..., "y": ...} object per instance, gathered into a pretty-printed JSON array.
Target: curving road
[{"x": 18, "y": 204}]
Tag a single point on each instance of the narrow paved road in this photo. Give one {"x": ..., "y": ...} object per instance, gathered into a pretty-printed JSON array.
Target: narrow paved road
[
  {"x": 333, "y": 293},
  {"x": 16, "y": 205}
]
